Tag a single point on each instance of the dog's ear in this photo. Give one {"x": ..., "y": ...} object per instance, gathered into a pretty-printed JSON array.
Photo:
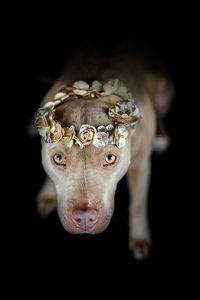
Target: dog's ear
[{"x": 161, "y": 90}]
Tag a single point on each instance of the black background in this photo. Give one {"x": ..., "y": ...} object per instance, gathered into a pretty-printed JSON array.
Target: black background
[{"x": 39, "y": 43}]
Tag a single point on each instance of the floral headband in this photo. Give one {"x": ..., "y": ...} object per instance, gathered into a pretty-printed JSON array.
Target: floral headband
[{"x": 123, "y": 112}]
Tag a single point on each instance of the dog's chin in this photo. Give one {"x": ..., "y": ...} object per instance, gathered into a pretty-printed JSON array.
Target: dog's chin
[{"x": 91, "y": 231}]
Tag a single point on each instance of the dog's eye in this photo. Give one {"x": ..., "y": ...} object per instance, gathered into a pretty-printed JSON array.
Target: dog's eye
[
  {"x": 110, "y": 160},
  {"x": 58, "y": 159}
]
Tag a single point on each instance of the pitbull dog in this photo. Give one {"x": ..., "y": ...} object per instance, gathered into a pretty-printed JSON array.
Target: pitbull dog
[{"x": 81, "y": 182}]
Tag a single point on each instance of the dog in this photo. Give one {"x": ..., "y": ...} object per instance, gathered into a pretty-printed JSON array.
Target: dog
[{"x": 81, "y": 181}]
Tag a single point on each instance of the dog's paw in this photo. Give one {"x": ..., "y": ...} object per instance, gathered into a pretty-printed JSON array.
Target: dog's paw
[
  {"x": 45, "y": 206},
  {"x": 140, "y": 247}
]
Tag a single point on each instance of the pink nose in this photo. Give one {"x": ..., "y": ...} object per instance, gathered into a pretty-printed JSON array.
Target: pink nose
[{"x": 84, "y": 218}]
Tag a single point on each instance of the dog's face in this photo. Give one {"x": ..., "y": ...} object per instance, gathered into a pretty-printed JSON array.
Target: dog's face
[{"x": 85, "y": 181}]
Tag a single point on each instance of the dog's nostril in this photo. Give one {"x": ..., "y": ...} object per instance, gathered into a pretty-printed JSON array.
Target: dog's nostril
[{"x": 85, "y": 218}]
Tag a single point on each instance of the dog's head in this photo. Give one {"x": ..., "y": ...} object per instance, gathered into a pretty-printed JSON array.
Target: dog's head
[{"x": 85, "y": 179}]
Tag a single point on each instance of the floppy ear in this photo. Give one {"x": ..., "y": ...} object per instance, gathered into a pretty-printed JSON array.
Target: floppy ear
[{"x": 161, "y": 90}]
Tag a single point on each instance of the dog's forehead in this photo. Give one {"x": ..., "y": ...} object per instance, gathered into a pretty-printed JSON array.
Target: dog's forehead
[
  {"x": 83, "y": 111},
  {"x": 78, "y": 153}
]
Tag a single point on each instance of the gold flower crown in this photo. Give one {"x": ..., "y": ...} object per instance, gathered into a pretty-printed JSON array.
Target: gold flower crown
[{"x": 123, "y": 112}]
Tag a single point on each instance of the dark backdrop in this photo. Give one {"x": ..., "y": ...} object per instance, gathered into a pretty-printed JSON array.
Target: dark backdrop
[{"x": 41, "y": 246}]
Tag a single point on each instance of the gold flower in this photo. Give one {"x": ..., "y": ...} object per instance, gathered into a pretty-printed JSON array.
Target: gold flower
[
  {"x": 68, "y": 135},
  {"x": 86, "y": 134},
  {"x": 42, "y": 125},
  {"x": 56, "y": 132},
  {"x": 124, "y": 112},
  {"x": 43, "y": 129}
]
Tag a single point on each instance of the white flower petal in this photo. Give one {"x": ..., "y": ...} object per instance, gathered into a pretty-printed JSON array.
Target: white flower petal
[
  {"x": 111, "y": 139},
  {"x": 125, "y": 133},
  {"x": 72, "y": 129},
  {"x": 80, "y": 92},
  {"x": 82, "y": 85},
  {"x": 125, "y": 105},
  {"x": 124, "y": 116},
  {"x": 53, "y": 126},
  {"x": 70, "y": 144},
  {"x": 121, "y": 129},
  {"x": 109, "y": 127},
  {"x": 116, "y": 108},
  {"x": 136, "y": 112},
  {"x": 121, "y": 142},
  {"x": 59, "y": 95},
  {"x": 51, "y": 104},
  {"x": 121, "y": 134},
  {"x": 111, "y": 86},
  {"x": 122, "y": 90},
  {"x": 101, "y": 128},
  {"x": 96, "y": 85}
]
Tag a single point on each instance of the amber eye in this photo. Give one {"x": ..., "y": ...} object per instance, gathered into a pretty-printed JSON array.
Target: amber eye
[
  {"x": 110, "y": 159},
  {"x": 58, "y": 159}
]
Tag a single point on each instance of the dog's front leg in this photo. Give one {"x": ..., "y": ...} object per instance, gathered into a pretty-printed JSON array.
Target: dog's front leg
[
  {"x": 46, "y": 198},
  {"x": 139, "y": 235}
]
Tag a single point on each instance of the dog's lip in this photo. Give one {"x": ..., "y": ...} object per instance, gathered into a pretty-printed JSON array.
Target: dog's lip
[
  {"x": 86, "y": 232},
  {"x": 94, "y": 230}
]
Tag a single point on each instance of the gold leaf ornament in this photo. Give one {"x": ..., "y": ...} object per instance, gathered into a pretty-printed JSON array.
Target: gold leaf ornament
[
  {"x": 68, "y": 136},
  {"x": 56, "y": 132}
]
